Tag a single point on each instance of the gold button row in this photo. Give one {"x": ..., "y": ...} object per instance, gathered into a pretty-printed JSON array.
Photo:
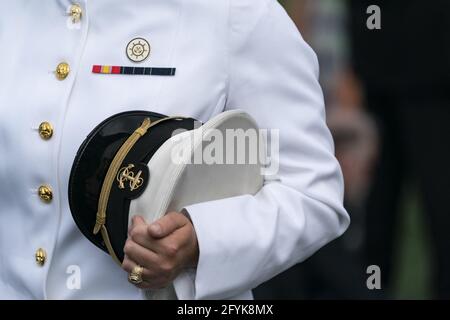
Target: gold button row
[
  {"x": 46, "y": 129},
  {"x": 46, "y": 194},
  {"x": 63, "y": 68},
  {"x": 45, "y": 191}
]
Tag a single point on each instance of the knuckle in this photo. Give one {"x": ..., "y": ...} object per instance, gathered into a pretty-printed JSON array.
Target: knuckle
[
  {"x": 126, "y": 265},
  {"x": 133, "y": 232},
  {"x": 172, "y": 249},
  {"x": 165, "y": 274},
  {"x": 166, "y": 270},
  {"x": 137, "y": 234},
  {"x": 128, "y": 247},
  {"x": 136, "y": 231}
]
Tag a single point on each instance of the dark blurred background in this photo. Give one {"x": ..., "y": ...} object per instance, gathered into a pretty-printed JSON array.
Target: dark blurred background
[{"x": 387, "y": 93}]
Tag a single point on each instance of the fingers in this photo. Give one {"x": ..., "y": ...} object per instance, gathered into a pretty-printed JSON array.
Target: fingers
[
  {"x": 139, "y": 234},
  {"x": 141, "y": 255},
  {"x": 166, "y": 246},
  {"x": 151, "y": 278},
  {"x": 128, "y": 266},
  {"x": 136, "y": 221},
  {"x": 167, "y": 224},
  {"x": 162, "y": 248}
]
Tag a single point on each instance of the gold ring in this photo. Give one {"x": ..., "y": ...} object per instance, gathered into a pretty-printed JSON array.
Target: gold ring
[{"x": 135, "y": 276}]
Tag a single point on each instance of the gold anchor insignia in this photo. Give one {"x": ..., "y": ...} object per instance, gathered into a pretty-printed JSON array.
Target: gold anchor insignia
[{"x": 126, "y": 174}]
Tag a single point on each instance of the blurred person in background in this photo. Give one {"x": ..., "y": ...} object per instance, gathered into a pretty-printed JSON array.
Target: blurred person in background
[
  {"x": 338, "y": 272},
  {"x": 404, "y": 69}
]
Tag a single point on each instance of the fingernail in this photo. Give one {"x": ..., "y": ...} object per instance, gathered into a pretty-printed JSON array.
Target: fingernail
[{"x": 155, "y": 228}]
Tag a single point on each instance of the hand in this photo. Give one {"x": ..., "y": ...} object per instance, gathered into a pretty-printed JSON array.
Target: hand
[{"x": 163, "y": 248}]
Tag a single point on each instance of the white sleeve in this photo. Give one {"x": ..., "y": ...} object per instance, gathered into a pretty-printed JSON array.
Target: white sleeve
[{"x": 247, "y": 240}]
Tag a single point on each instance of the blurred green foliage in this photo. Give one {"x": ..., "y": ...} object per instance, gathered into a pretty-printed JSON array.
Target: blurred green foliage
[{"x": 413, "y": 254}]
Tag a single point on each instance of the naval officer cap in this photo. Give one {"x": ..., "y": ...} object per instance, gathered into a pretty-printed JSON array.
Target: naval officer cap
[{"x": 145, "y": 163}]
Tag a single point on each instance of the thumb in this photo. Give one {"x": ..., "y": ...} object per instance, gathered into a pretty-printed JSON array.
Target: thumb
[{"x": 167, "y": 224}]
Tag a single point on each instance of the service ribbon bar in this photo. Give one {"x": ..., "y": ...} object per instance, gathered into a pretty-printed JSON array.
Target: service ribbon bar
[{"x": 133, "y": 70}]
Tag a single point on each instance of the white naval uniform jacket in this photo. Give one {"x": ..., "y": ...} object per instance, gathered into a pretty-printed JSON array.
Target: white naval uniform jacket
[{"x": 228, "y": 54}]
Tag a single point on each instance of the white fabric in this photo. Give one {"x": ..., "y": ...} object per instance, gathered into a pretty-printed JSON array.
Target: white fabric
[{"x": 229, "y": 54}]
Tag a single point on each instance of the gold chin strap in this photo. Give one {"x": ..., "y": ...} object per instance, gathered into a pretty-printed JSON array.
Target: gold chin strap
[{"x": 110, "y": 176}]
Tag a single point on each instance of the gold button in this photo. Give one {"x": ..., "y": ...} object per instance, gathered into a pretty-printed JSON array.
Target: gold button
[
  {"x": 40, "y": 256},
  {"x": 45, "y": 130},
  {"x": 62, "y": 70},
  {"x": 75, "y": 12},
  {"x": 45, "y": 193}
]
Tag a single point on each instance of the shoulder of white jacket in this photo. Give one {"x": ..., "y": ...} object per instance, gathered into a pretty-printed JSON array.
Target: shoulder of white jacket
[
  {"x": 246, "y": 14},
  {"x": 243, "y": 14},
  {"x": 236, "y": 4}
]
